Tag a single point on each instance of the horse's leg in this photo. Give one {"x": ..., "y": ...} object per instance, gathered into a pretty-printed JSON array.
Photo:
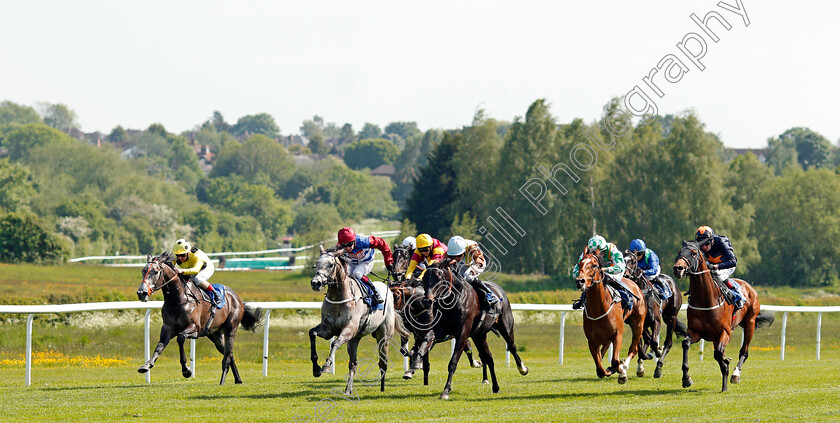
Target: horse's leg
[
  {"x": 426, "y": 367},
  {"x": 597, "y": 353},
  {"x": 691, "y": 338},
  {"x": 670, "y": 324},
  {"x": 165, "y": 337},
  {"x": 352, "y": 350},
  {"x": 487, "y": 358},
  {"x": 423, "y": 349},
  {"x": 460, "y": 342},
  {"x": 721, "y": 358},
  {"x": 227, "y": 358},
  {"x": 749, "y": 330},
  {"x": 657, "y": 327},
  {"x": 320, "y": 331},
  {"x": 616, "y": 355},
  {"x": 184, "y": 369},
  {"x": 505, "y": 328},
  {"x": 468, "y": 351},
  {"x": 345, "y": 336},
  {"x": 229, "y": 341},
  {"x": 382, "y": 342}
]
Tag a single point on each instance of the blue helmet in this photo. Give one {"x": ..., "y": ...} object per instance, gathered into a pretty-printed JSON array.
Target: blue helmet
[{"x": 637, "y": 245}]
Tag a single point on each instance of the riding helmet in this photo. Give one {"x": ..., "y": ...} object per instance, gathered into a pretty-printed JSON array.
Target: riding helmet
[
  {"x": 637, "y": 245},
  {"x": 346, "y": 235},
  {"x": 181, "y": 247},
  {"x": 456, "y": 246},
  {"x": 597, "y": 242},
  {"x": 704, "y": 235},
  {"x": 410, "y": 241},
  {"x": 424, "y": 240}
]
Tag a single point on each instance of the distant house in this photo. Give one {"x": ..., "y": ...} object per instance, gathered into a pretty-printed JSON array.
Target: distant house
[
  {"x": 384, "y": 170},
  {"x": 93, "y": 138},
  {"x": 760, "y": 153},
  {"x": 3, "y": 152},
  {"x": 294, "y": 139}
]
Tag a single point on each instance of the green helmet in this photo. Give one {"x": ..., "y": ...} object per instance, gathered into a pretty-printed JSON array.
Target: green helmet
[{"x": 597, "y": 242}]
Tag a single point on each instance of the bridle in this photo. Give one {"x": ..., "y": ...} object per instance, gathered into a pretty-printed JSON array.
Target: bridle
[{"x": 152, "y": 288}]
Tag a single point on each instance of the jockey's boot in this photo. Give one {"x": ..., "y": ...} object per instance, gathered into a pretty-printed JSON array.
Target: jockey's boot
[
  {"x": 664, "y": 291},
  {"x": 376, "y": 298},
  {"x": 738, "y": 301},
  {"x": 215, "y": 298},
  {"x": 578, "y": 304}
]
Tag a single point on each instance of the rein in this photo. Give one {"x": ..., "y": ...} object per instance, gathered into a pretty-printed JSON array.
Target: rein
[
  {"x": 152, "y": 290},
  {"x": 601, "y": 316},
  {"x": 335, "y": 282}
]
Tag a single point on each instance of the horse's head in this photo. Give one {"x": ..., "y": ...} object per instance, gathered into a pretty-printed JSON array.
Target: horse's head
[
  {"x": 689, "y": 259},
  {"x": 432, "y": 278},
  {"x": 155, "y": 275},
  {"x": 631, "y": 265},
  {"x": 402, "y": 257},
  {"x": 589, "y": 271},
  {"x": 329, "y": 268}
]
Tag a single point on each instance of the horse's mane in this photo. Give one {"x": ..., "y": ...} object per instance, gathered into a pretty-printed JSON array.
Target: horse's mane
[
  {"x": 166, "y": 257},
  {"x": 333, "y": 249}
]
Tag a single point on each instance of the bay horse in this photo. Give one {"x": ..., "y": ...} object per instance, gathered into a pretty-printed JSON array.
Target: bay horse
[
  {"x": 603, "y": 323},
  {"x": 456, "y": 311},
  {"x": 710, "y": 317},
  {"x": 657, "y": 312},
  {"x": 187, "y": 315},
  {"x": 345, "y": 316},
  {"x": 408, "y": 296}
]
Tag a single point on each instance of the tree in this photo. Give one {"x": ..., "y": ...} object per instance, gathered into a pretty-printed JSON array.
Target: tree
[
  {"x": 27, "y": 137},
  {"x": 370, "y": 131},
  {"x": 16, "y": 185},
  {"x": 346, "y": 136},
  {"x": 218, "y": 122},
  {"x": 261, "y": 123},
  {"x": 798, "y": 146},
  {"x": 13, "y": 115},
  {"x": 317, "y": 145},
  {"x": 260, "y": 160},
  {"x": 118, "y": 135},
  {"x": 25, "y": 238},
  {"x": 405, "y": 130},
  {"x": 370, "y": 153},
  {"x": 431, "y": 206},
  {"x": 747, "y": 175},
  {"x": 59, "y": 116},
  {"x": 313, "y": 127},
  {"x": 797, "y": 227},
  {"x": 315, "y": 223},
  {"x": 480, "y": 147}
]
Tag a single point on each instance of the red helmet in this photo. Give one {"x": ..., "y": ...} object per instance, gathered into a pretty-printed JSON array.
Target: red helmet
[{"x": 346, "y": 235}]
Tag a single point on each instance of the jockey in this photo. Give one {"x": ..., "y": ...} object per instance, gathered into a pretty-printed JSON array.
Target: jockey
[
  {"x": 411, "y": 243},
  {"x": 720, "y": 257},
  {"x": 428, "y": 252},
  {"x": 359, "y": 249},
  {"x": 648, "y": 261},
  {"x": 613, "y": 273},
  {"x": 195, "y": 263},
  {"x": 467, "y": 252}
]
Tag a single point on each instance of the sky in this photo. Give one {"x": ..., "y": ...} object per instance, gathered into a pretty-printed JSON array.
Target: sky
[{"x": 436, "y": 62}]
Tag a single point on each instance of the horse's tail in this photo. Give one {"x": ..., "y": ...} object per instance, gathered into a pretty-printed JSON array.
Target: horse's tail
[
  {"x": 400, "y": 325},
  {"x": 252, "y": 319},
  {"x": 765, "y": 318},
  {"x": 680, "y": 329}
]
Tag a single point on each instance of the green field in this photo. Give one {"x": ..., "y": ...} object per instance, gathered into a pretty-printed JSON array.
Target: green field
[{"x": 85, "y": 367}]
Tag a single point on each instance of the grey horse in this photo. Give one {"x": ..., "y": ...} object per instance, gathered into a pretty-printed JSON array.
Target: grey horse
[{"x": 345, "y": 316}]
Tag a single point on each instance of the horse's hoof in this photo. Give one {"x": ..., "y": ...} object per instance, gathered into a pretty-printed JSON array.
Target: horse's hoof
[
  {"x": 496, "y": 389},
  {"x": 144, "y": 368},
  {"x": 187, "y": 374},
  {"x": 649, "y": 356},
  {"x": 735, "y": 379},
  {"x": 523, "y": 371},
  {"x": 325, "y": 369},
  {"x": 622, "y": 379},
  {"x": 687, "y": 382},
  {"x": 476, "y": 364},
  {"x": 316, "y": 371},
  {"x": 640, "y": 372},
  {"x": 485, "y": 382},
  {"x": 408, "y": 375},
  {"x": 657, "y": 373},
  {"x": 444, "y": 396}
]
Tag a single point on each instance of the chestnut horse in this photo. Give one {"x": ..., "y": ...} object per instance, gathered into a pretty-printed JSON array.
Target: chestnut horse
[
  {"x": 710, "y": 317},
  {"x": 603, "y": 323},
  {"x": 657, "y": 312},
  {"x": 187, "y": 315}
]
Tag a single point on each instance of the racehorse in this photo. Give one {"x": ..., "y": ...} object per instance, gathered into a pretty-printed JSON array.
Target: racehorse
[
  {"x": 603, "y": 323},
  {"x": 657, "y": 311},
  {"x": 710, "y": 317},
  {"x": 187, "y": 315},
  {"x": 408, "y": 295},
  {"x": 346, "y": 316},
  {"x": 456, "y": 312}
]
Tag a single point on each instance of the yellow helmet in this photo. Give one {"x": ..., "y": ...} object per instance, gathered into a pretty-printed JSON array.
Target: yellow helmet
[
  {"x": 181, "y": 247},
  {"x": 424, "y": 240}
]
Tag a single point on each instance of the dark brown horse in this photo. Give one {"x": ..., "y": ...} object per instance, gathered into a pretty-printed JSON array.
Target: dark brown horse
[
  {"x": 408, "y": 296},
  {"x": 186, "y": 314},
  {"x": 710, "y": 317},
  {"x": 603, "y": 322},
  {"x": 657, "y": 312},
  {"x": 456, "y": 313}
]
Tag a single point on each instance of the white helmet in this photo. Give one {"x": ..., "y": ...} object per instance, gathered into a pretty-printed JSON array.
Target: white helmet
[
  {"x": 456, "y": 246},
  {"x": 410, "y": 241}
]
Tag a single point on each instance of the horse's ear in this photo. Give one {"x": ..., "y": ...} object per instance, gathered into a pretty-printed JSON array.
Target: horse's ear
[
  {"x": 344, "y": 259},
  {"x": 321, "y": 249},
  {"x": 148, "y": 258},
  {"x": 685, "y": 243}
]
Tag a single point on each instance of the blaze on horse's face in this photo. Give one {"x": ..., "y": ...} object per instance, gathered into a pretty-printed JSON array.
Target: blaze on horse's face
[
  {"x": 151, "y": 274},
  {"x": 688, "y": 258},
  {"x": 588, "y": 270},
  {"x": 325, "y": 271}
]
